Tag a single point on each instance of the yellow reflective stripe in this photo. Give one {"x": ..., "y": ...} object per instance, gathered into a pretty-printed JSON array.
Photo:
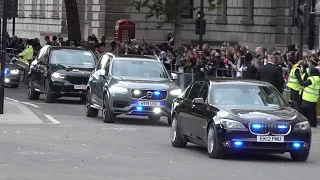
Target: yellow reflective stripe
[{"x": 306, "y": 91}]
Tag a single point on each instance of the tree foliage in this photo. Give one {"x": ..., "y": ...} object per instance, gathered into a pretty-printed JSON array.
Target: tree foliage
[{"x": 168, "y": 11}]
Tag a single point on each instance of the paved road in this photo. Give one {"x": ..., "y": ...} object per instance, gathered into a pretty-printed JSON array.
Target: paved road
[{"x": 131, "y": 149}]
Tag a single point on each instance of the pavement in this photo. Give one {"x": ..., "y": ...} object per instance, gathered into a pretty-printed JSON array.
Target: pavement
[{"x": 56, "y": 141}]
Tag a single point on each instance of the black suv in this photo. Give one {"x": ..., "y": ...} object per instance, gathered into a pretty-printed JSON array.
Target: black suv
[
  {"x": 60, "y": 71},
  {"x": 130, "y": 85}
]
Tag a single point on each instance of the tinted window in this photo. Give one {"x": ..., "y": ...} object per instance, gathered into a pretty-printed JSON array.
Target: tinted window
[
  {"x": 204, "y": 91},
  {"x": 73, "y": 58},
  {"x": 139, "y": 68},
  {"x": 195, "y": 90},
  {"x": 246, "y": 95}
]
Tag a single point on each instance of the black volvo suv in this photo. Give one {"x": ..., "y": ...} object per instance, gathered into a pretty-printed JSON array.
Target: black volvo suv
[{"x": 60, "y": 72}]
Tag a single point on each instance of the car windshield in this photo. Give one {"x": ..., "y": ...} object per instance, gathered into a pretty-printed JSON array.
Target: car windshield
[
  {"x": 73, "y": 58},
  {"x": 246, "y": 95},
  {"x": 137, "y": 68}
]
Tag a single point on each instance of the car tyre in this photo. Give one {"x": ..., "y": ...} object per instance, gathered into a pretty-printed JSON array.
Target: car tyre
[
  {"x": 213, "y": 143},
  {"x": 300, "y": 156},
  {"x": 32, "y": 93},
  {"x": 48, "y": 95},
  {"x": 154, "y": 118},
  {"x": 108, "y": 116},
  {"x": 176, "y": 137},
  {"x": 90, "y": 112}
]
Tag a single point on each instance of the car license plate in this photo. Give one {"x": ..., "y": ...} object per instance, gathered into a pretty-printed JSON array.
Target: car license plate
[
  {"x": 274, "y": 139},
  {"x": 80, "y": 86},
  {"x": 148, "y": 103}
]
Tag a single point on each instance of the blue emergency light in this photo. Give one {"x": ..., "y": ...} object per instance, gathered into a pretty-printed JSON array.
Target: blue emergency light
[
  {"x": 238, "y": 143},
  {"x": 157, "y": 93}
]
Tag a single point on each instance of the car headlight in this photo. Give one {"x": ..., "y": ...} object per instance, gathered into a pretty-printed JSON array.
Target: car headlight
[
  {"x": 58, "y": 75},
  {"x": 231, "y": 124},
  {"x": 176, "y": 92},
  {"x": 303, "y": 126},
  {"x": 14, "y": 71},
  {"x": 117, "y": 89}
]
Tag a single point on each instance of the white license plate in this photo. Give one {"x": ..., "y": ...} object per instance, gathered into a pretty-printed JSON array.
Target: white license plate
[
  {"x": 148, "y": 103},
  {"x": 274, "y": 139},
  {"x": 80, "y": 86}
]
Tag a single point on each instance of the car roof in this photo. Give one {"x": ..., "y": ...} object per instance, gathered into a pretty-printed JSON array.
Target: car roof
[
  {"x": 135, "y": 59},
  {"x": 67, "y": 47},
  {"x": 237, "y": 81}
]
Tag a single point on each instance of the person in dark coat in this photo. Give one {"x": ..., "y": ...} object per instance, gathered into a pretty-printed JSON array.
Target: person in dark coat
[
  {"x": 271, "y": 73},
  {"x": 248, "y": 70}
]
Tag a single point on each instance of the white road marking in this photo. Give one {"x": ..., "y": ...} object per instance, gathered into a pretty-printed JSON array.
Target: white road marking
[
  {"x": 27, "y": 103},
  {"x": 30, "y": 104},
  {"x": 9, "y": 99},
  {"x": 121, "y": 129},
  {"x": 54, "y": 121}
]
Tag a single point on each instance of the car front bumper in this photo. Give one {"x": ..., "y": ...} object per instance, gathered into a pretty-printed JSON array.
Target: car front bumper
[
  {"x": 125, "y": 104},
  {"x": 245, "y": 140},
  {"x": 12, "y": 79},
  {"x": 66, "y": 89}
]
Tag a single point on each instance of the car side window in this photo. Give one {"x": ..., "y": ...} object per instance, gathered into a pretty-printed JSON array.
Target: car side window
[
  {"x": 195, "y": 90},
  {"x": 204, "y": 91}
]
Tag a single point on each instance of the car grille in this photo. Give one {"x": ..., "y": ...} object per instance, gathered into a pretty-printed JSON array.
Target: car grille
[
  {"x": 78, "y": 80},
  {"x": 280, "y": 129},
  {"x": 144, "y": 95},
  {"x": 266, "y": 129}
]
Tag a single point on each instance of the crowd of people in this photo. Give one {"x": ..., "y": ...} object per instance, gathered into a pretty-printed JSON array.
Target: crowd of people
[{"x": 273, "y": 66}]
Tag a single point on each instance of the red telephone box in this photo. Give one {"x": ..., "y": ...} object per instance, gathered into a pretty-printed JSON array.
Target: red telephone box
[{"x": 125, "y": 30}]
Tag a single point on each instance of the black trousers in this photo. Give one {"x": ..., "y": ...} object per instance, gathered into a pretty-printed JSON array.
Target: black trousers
[
  {"x": 294, "y": 96},
  {"x": 311, "y": 115}
]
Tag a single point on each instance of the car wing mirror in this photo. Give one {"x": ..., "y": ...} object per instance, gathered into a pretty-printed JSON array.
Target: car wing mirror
[
  {"x": 101, "y": 73},
  {"x": 174, "y": 76},
  {"x": 14, "y": 60},
  {"x": 41, "y": 63},
  {"x": 293, "y": 104},
  {"x": 198, "y": 101}
]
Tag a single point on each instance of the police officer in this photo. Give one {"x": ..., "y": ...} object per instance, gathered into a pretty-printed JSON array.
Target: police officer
[
  {"x": 295, "y": 82},
  {"x": 310, "y": 96},
  {"x": 26, "y": 57}
]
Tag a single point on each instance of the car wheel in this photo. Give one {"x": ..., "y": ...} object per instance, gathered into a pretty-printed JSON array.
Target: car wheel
[
  {"x": 154, "y": 118},
  {"x": 48, "y": 95},
  {"x": 90, "y": 112},
  {"x": 176, "y": 137},
  {"x": 300, "y": 156},
  {"x": 15, "y": 86},
  {"x": 32, "y": 93},
  {"x": 213, "y": 143},
  {"x": 169, "y": 120},
  {"x": 108, "y": 116}
]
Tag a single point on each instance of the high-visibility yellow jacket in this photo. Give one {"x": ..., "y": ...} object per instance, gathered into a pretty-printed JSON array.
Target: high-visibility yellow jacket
[
  {"x": 27, "y": 54},
  {"x": 311, "y": 92},
  {"x": 293, "y": 82}
]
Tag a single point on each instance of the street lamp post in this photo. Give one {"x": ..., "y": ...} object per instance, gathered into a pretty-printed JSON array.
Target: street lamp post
[{"x": 317, "y": 12}]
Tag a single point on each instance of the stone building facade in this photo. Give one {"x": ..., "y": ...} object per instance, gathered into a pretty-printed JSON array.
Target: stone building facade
[{"x": 253, "y": 22}]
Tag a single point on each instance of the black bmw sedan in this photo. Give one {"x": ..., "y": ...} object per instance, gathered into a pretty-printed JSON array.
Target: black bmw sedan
[{"x": 230, "y": 116}]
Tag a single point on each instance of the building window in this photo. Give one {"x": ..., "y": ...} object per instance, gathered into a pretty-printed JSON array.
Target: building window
[
  {"x": 222, "y": 12},
  {"x": 42, "y": 13},
  {"x": 55, "y": 9},
  {"x": 273, "y": 10},
  {"x": 34, "y": 9},
  {"x": 21, "y": 8},
  {"x": 187, "y": 11},
  {"x": 248, "y": 6}
]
